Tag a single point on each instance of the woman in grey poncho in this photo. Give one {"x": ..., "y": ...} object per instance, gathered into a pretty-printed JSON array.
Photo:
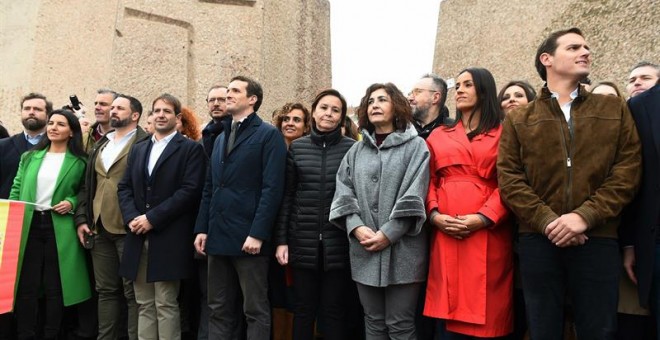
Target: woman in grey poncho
[{"x": 379, "y": 201}]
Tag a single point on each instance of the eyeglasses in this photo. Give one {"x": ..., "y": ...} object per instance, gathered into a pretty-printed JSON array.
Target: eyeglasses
[
  {"x": 418, "y": 91},
  {"x": 218, "y": 100}
]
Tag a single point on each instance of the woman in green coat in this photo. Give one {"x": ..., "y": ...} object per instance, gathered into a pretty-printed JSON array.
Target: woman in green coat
[{"x": 50, "y": 257}]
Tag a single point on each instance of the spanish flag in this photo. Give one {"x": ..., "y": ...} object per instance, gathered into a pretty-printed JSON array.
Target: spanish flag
[{"x": 11, "y": 224}]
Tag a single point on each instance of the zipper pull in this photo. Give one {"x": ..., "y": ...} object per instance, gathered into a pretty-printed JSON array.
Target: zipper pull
[
  {"x": 320, "y": 237},
  {"x": 568, "y": 162}
]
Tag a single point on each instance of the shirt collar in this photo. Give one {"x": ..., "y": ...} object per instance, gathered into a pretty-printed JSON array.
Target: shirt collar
[
  {"x": 166, "y": 139},
  {"x": 573, "y": 94},
  {"x": 111, "y": 135},
  {"x": 34, "y": 139}
]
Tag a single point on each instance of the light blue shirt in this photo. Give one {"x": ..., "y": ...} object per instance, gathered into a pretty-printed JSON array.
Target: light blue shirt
[{"x": 33, "y": 140}]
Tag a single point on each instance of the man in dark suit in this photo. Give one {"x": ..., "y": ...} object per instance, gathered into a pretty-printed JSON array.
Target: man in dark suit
[
  {"x": 35, "y": 109},
  {"x": 242, "y": 195},
  {"x": 639, "y": 231},
  {"x": 158, "y": 197}
]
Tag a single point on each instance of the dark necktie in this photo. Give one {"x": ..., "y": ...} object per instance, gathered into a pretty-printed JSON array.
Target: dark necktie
[{"x": 232, "y": 136}]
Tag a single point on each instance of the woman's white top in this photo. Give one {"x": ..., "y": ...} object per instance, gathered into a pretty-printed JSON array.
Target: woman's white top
[{"x": 47, "y": 178}]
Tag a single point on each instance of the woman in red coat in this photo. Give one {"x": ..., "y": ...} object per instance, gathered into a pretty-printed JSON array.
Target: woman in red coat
[{"x": 470, "y": 269}]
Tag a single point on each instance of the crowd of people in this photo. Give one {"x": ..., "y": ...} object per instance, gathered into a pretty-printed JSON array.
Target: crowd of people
[{"x": 521, "y": 215}]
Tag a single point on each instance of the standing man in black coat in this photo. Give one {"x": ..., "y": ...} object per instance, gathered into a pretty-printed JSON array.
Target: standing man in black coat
[
  {"x": 159, "y": 197},
  {"x": 640, "y": 236},
  {"x": 216, "y": 100},
  {"x": 35, "y": 109}
]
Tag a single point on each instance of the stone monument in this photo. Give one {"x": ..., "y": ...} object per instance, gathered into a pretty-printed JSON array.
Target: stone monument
[
  {"x": 147, "y": 47},
  {"x": 502, "y": 36}
]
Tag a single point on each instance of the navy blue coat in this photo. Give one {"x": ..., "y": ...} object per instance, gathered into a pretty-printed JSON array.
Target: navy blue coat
[
  {"x": 243, "y": 189},
  {"x": 11, "y": 150},
  {"x": 640, "y": 223},
  {"x": 170, "y": 199}
]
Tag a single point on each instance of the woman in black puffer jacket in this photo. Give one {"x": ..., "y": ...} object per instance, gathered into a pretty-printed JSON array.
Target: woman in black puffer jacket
[{"x": 316, "y": 250}]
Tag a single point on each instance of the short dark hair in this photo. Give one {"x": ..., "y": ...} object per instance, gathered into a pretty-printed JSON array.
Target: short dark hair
[
  {"x": 644, "y": 64},
  {"x": 170, "y": 99},
  {"x": 136, "y": 106},
  {"x": 253, "y": 88},
  {"x": 439, "y": 83},
  {"x": 75, "y": 144},
  {"x": 36, "y": 95},
  {"x": 549, "y": 45},
  {"x": 334, "y": 93},
  {"x": 400, "y": 107},
  {"x": 107, "y": 91},
  {"x": 487, "y": 104},
  {"x": 288, "y": 107},
  {"x": 530, "y": 93}
]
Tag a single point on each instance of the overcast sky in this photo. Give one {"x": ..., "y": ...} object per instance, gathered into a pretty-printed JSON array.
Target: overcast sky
[{"x": 381, "y": 41}]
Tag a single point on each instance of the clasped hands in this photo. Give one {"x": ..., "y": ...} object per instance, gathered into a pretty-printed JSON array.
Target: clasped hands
[
  {"x": 370, "y": 240},
  {"x": 567, "y": 230},
  {"x": 459, "y": 226},
  {"x": 140, "y": 225}
]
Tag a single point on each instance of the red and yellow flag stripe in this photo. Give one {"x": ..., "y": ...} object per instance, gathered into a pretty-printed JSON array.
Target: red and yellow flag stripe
[{"x": 11, "y": 224}]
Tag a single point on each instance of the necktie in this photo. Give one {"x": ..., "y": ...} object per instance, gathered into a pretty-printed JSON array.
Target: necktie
[{"x": 232, "y": 136}]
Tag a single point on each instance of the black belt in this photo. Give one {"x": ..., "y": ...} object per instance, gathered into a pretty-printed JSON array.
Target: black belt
[
  {"x": 42, "y": 212},
  {"x": 42, "y": 217}
]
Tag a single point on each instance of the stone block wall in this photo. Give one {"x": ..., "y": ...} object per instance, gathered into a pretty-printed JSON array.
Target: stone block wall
[
  {"x": 503, "y": 36},
  {"x": 147, "y": 47}
]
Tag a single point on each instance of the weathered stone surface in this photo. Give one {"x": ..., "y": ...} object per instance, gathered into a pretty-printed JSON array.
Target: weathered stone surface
[
  {"x": 502, "y": 36},
  {"x": 147, "y": 47}
]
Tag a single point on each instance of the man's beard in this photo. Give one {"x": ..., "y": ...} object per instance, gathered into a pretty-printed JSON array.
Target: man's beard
[
  {"x": 119, "y": 123},
  {"x": 33, "y": 124},
  {"x": 420, "y": 114}
]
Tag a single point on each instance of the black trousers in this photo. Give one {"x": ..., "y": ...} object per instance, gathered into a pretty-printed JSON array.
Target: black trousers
[
  {"x": 40, "y": 268},
  {"x": 323, "y": 294},
  {"x": 588, "y": 273}
]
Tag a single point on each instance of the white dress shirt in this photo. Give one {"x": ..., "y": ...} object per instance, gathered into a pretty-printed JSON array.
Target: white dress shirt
[
  {"x": 113, "y": 147},
  {"x": 157, "y": 149}
]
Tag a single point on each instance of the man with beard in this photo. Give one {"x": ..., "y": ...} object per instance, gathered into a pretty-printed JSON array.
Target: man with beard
[
  {"x": 35, "y": 109},
  {"x": 98, "y": 216},
  {"x": 217, "y": 104},
  {"x": 427, "y": 100},
  {"x": 102, "y": 103}
]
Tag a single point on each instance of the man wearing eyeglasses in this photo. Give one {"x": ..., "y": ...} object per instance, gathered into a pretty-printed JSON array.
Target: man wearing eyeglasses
[
  {"x": 217, "y": 104},
  {"x": 427, "y": 100}
]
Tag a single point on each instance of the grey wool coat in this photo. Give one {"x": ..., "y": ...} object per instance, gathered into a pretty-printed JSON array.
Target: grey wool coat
[{"x": 384, "y": 188}]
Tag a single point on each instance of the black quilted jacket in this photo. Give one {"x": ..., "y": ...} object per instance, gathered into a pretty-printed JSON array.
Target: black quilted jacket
[{"x": 302, "y": 223}]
